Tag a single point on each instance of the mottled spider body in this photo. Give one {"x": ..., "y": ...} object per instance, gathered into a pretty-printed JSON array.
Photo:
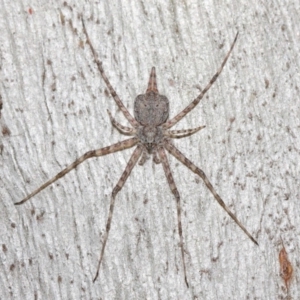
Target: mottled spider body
[
  {"x": 151, "y": 135},
  {"x": 151, "y": 110}
]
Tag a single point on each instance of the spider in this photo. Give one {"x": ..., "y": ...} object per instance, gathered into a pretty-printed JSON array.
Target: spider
[{"x": 151, "y": 134}]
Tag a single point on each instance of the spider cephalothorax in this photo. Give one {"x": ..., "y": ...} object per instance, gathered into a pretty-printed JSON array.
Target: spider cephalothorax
[{"x": 151, "y": 135}]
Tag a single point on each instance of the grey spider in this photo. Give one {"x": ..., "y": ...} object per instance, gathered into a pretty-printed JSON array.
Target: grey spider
[{"x": 151, "y": 135}]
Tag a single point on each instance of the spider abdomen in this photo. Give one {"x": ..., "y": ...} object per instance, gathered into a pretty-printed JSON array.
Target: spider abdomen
[{"x": 151, "y": 109}]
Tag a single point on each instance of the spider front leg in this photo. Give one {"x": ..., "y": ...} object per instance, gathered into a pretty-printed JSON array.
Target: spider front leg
[
  {"x": 168, "y": 173},
  {"x": 130, "y": 165},
  {"x": 94, "y": 153},
  {"x": 177, "y": 154}
]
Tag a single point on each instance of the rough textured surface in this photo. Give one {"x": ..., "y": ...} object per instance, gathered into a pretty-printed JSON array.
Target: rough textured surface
[{"x": 54, "y": 104}]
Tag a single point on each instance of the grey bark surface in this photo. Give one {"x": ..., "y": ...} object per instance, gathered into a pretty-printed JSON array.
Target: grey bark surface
[{"x": 55, "y": 102}]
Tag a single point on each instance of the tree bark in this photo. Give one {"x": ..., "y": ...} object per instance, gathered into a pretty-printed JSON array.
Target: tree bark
[{"x": 55, "y": 107}]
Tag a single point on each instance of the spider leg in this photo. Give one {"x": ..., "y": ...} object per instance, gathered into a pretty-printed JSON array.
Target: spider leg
[
  {"x": 177, "y": 134},
  {"x": 123, "y": 129},
  {"x": 167, "y": 170},
  {"x": 94, "y": 153},
  {"x": 191, "y": 106},
  {"x": 175, "y": 152},
  {"x": 130, "y": 165},
  {"x": 118, "y": 101}
]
